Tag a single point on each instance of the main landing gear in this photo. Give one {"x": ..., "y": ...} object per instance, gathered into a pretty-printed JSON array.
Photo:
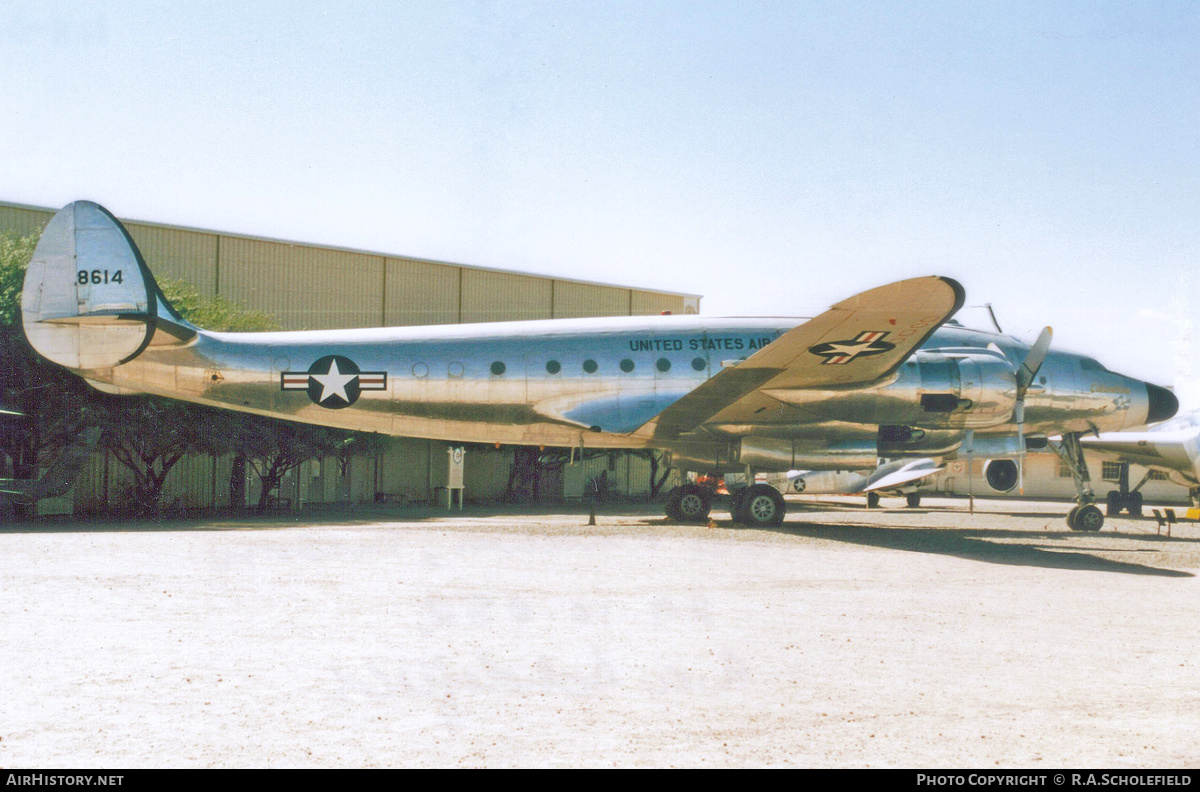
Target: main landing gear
[
  {"x": 1085, "y": 516},
  {"x": 757, "y": 506},
  {"x": 1125, "y": 499}
]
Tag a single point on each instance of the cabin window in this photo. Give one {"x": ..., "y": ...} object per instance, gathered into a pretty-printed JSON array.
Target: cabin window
[
  {"x": 663, "y": 365},
  {"x": 699, "y": 364},
  {"x": 590, "y": 366},
  {"x": 553, "y": 366},
  {"x": 498, "y": 367},
  {"x": 627, "y": 365}
]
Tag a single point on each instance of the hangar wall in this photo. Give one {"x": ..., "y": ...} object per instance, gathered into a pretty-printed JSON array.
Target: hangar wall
[{"x": 309, "y": 287}]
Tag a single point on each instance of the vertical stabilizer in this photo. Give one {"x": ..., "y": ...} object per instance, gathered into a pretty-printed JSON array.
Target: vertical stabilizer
[{"x": 89, "y": 301}]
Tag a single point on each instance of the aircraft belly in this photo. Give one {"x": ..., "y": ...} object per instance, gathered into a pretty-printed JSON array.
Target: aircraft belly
[{"x": 496, "y": 409}]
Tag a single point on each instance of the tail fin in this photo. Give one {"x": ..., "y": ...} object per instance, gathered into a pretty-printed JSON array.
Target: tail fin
[{"x": 89, "y": 301}]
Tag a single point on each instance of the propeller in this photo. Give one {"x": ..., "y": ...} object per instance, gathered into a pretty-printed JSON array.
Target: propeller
[{"x": 1025, "y": 374}]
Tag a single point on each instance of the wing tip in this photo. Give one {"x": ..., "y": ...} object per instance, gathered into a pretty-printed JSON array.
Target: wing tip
[{"x": 960, "y": 294}]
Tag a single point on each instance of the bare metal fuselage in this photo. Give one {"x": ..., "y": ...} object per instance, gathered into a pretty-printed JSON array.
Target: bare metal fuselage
[{"x": 593, "y": 383}]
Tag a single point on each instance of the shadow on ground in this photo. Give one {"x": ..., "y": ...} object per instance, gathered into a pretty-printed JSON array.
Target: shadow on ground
[{"x": 974, "y": 545}]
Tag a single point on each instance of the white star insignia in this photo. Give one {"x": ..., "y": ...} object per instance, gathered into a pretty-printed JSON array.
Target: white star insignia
[{"x": 334, "y": 382}]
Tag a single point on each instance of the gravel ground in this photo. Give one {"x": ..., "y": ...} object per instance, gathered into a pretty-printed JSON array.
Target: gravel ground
[{"x": 928, "y": 637}]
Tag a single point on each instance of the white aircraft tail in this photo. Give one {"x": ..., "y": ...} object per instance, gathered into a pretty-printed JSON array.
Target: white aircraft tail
[{"x": 89, "y": 301}]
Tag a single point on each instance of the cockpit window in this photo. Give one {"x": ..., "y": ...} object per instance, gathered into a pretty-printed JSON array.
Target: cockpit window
[{"x": 1087, "y": 364}]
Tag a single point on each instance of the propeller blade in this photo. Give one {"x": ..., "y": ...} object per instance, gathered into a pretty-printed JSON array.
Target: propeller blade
[
  {"x": 1025, "y": 374},
  {"x": 1033, "y": 361}
]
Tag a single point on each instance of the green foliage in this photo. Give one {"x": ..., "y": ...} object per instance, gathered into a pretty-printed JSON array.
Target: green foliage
[
  {"x": 214, "y": 313},
  {"x": 15, "y": 253}
]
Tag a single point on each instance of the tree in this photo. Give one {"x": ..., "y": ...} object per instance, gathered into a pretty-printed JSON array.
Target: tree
[
  {"x": 55, "y": 401},
  {"x": 147, "y": 434}
]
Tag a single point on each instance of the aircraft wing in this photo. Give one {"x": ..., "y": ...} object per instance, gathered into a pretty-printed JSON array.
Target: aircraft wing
[
  {"x": 855, "y": 342},
  {"x": 1175, "y": 450}
]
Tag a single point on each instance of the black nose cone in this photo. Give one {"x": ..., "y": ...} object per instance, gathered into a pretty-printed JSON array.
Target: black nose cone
[{"x": 1163, "y": 403}]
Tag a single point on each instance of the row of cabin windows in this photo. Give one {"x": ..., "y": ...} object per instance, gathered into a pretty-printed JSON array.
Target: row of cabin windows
[{"x": 591, "y": 367}]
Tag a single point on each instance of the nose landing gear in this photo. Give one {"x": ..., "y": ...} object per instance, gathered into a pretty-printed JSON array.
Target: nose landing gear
[{"x": 1085, "y": 516}]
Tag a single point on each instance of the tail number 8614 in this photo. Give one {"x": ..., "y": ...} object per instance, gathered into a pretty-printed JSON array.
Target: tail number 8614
[{"x": 97, "y": 276}]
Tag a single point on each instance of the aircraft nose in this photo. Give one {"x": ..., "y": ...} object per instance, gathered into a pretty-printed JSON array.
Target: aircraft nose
[{"x": 1163, "y": 404}]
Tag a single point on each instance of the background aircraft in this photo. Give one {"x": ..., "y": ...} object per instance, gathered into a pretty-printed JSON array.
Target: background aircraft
[
  {"x": 58, "y": 478},
  {"x": 879, "y": 374},
  {"x": 899, "y": 476},
  {"x": 1172, "y": 447}
]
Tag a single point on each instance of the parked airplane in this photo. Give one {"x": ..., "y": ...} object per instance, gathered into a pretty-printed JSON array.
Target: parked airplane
[
  {"x": 879, "y": 374},
  {"x": 900, "y": 476},
  {"x": 1172, "y": 447},
  {"x": 58, "y": 478}
]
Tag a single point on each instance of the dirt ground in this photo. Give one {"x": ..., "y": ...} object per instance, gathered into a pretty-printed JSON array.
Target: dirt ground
[{"x": 925, "y": 637}]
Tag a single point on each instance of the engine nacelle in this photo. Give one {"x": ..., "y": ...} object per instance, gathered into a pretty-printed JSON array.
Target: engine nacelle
[
  {"x": 942, "y": 389},
  {"x": 1001, "y": 474},
  {"x": 766, "y": 453},
  {"x": 960, "y": 390}
]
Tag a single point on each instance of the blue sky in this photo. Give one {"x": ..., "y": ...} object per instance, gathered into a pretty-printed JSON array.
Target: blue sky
[{"x": 774, "y": 157}]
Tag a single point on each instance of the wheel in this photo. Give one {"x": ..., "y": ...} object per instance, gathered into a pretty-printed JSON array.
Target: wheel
[
  {"x": 737, "y": 503},
  {"x": 872, "y": 500},
  {"x": 913, "y": 499},
  {"x": 1114, "y": 503},
  {"x": 762, "y": 506},
  {"x": 1071, "y": 518},
  {"x": 689, "y": 503},
  {"x": 672, "y": 505},
  {"x": 1134, "y": 504},
  {"x": 1089, "y": 518}
]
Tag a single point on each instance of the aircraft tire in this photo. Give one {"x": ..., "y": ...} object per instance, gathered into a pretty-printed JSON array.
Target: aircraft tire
[
  {"x": 1115, "y": 503},
  {"x": 1089, "y": 518},
  {"x": 672, "y": 504},
  {"x": 913, "y": 499},
  {"x": 689, "y": 503},
  {"x": 762, "y": 507},
  {"x": 737, "y": 511},
  {"x": 1133, "y": 502},
  {"x": 872, "y": 500},
  {"x": 1071, "y": 518}
]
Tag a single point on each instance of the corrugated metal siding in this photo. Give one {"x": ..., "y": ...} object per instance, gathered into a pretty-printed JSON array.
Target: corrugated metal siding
[
  {"x": 23, "y": 222},
  {"x": 504, "y": 297},
  {"x": 574, "y": 300},
  {"x": 485, "y": 472},
  {"x": 90, "y": 497},
  {"x": 189, "y": 484},
  {"x": 174, "y": 253},
  {"x": 420, "y": 293},
  {"x": 403, "y": 467},
  {"x": 303, "y": 287},
  {"x": 644, "y": 303}
]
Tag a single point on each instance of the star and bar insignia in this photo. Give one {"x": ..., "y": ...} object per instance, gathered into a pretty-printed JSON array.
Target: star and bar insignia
[
  {"x": 864, "y": 344},
  {"x": 333, "y": 381}
]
